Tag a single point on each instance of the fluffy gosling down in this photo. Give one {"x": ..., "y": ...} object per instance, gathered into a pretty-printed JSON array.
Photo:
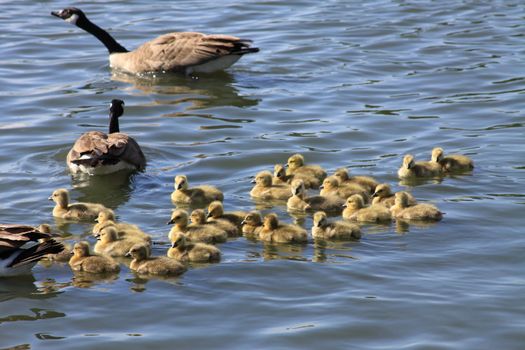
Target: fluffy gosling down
[
  {"x": 339, "y": 230},
  {"x": 197, "y": 233},
  {"x": 300, "y": 202},
  {"x": 419, "y": 212},
  {"x": 411, "y": 168},
  {"x": 273, "y": 231},
  {"x": 184, "y": 52},
  {"x": 183, "y": 194},
  {"x": 106, "y": 218},
  {"x": 198, "y": 218},
  {"x": 252, "y": 224},
  {"x": 216, "y": 212},
  {"x": 312, "y": 175},
  {"x": 83, "y": 260},
  {"x": 75, "y": 211},
  {"x": 184, "y": 250},
  {"x": 355, "y": 210},
  {"x": 332, "y": 187},
  {"x": 265, "y": 189},
  {"x": 383, "y": 195},
  {"x": 344, "y": 178},
  {"x": 452, "y": 162},
  {"x": 144, "y": 264},
  {"x": 110, "y": 244}
]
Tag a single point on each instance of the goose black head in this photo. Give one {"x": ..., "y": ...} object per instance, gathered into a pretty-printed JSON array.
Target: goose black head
[
  {"x": 70, "y": 14},
  {"x": 116, "y": 107}
]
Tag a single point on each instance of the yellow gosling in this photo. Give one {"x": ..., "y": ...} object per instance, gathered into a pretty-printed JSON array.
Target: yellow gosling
[
  {"x": 452, "y": 162},
  {"x": 332, "y": 187},
  {"x": 107, "y": 218},
  {"x": 411, "y": 168},
  {"x": 344, "y": 178},
  {"x": 273, "y": 231},
  {"x": 144, "y": 264},
  {"x": 339, "y": 230},
  {"x": 300, "y": 202},
  {"x": 110, "y": 244},
  {"x": 312, "y": 175},
  {"x": 75, "y": 211},
  {"x": 418, "y": 212},
  {"x": 383, "y": 195},
  {"x": 183, "y": 194},
  {"x": 264, "y": 189},
  {"x": 252, "y": 224},
  {"x": 355, "y": 210},
  {"x": 216, "y": 212},
  {"x": 279, "y": 175},
  {"x": 184, "y": 250},
  {"x": 195, "y": 232},
  {"x": 82, "y": 260},
  {"x": 198, "y": 217}
]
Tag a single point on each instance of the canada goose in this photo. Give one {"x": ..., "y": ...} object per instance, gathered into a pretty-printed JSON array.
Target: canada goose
[
  {"x": 132, "y": 232},
  {"x": 355, "y": 210},
  {"x": 197, "y": 233},
  {"x": 383, "y": 195},
  {"x": 273, "y": 231},
  {"x": 421, "y": 212},
  {"x": 198, "y": 218},
  {"x": 299, "y": 201},
  {"x": 142, "y": 263},
  {"x": 196, "y": 195},
  {"x": 216, "y": 211},
  {"x": 185, "y": 52},
  {"x": 62, "y": 256},
  {"x": 332, "y": 187},
  {"x": 252, "y": 224},
  {"x": 110, "y": 244},
  {"x": 95, "y": 152},
  {"x": 339, "y": 230},
  {"x": 21, "y": 247},
  {"x": 297, "y": 168},
  {"x": 264, "y": 189},
  {"x": 452, "y": 162},
  {"x": 411, "y": 168},
  {"x": 184, "y": 250},
  {"x": 82, "y": 260},
  {"x": 74, "y": 211},
  {"x": 366, "y": 181}
]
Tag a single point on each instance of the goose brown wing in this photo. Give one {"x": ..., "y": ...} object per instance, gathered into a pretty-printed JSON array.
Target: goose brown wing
[
  {"x": 92, "y": 144},
  {"x": 124, "y": 147},
  {"x": 15, "y": 236}
]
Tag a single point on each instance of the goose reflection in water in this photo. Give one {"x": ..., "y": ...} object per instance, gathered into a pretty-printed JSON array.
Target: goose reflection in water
[{"x": 27, "y": 287}]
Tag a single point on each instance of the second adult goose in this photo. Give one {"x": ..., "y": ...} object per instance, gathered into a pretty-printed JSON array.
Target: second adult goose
[
  {"x": 97, "y": 153},
  {"x": 185, "y": 52}
]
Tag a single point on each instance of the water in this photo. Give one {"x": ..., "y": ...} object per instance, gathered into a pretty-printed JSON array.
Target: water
[{"x": 346, "y": 83}]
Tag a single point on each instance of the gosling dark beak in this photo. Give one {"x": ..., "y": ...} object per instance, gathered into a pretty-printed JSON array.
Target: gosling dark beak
[
  {"x": 253, "y": 181},
  {"x": 321, "y": 187},
  {"x": 174, "y": 244},
  {"x": 50, "y": 198},
  {"x": 128, "y": 255},
  {"x": 96, "y": 220},
  {"x": 97, "y": 236},
  {"x": 344, "y": 205},
  {"x": 179, "y": 186},
  {"x": 374, "y": 194},
  {"x": 171, "y": 222},
  {"x": 243, "y": 222},
  {"x": 286, "y": 165}
]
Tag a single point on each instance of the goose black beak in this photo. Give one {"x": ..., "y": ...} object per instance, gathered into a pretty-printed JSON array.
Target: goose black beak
[{"x": 56, "y": 14}]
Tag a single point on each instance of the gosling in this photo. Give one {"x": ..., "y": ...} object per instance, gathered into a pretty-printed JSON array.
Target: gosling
[
  {"x": 82, "y": 260},
  {"x": 273, "y": 231},
  {"x": 198, "y": 218},
  {"x": 411, "y": 168},
  {"x": 106, "y": 218},
  {"x": 418, "y": 212},
  {"x": 264, "y": 189},
  {"x": 110, "y": 244},
  {"x": 216, "y": 212},
  {"x": 184, "y": 250},
  {"x": 332, "y": 187},
  {"x": 143, "y": 264},
  {"x": 252, "y": 224},
  {"x": 75, "y": 211},
  {"x": 366, "y": 181},
  {"x": 355, "y": 210},
  {"x": 197, "y": 233},
  {"x": 339, "y": 230},
  {"x": 314, "y": 173},
  {"x": 299, "y": 201},
  {"x": 279, "y": 175},
  {"x": 183, "y": 194},
  {"x": 452, "y": 162},
  {"x": 383, "y": 195}
]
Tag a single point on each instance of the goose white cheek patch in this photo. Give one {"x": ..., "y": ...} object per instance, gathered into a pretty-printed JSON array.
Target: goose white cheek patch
[{"x": 73, "y": 19}]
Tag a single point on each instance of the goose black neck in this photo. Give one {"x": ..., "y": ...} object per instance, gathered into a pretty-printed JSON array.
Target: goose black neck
[
  {"x": 113, "y": 123},
  {"x": 111, "y": 44}
]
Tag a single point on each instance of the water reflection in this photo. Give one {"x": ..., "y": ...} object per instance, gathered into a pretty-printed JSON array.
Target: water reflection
[
  {"x": 24, "y": 286},
  {"x": 88, "y": 280},
  {"x": 325, "y": 250},
  {"x": 112, "y": 190},
  {"x": 403, "y": 226},
  {"x": 276, "y": 251},
  {"x": 139, "y": 281}
]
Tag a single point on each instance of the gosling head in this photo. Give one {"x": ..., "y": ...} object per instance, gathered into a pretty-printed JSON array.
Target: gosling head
[
  {"x": 330, "y": 183},
  {"x": 198, "y": 217},
  {"x": 71, "y": 15},
  {"x": 295, "y": 161},
  {"x": 60, "y": 197},
  {"x": 105, "y": 215},
  {"x": 253, "y": 218},
  {"x": 81, "y": 249},
  {"x": 271, "y": 222},
  {"x": 279, "y": 171},
  {"x": 382, "y": 191},
  {"x": 408, "y": 161},
  {"x": 437, "y": 154},
  {"x": 181, "y": 182},
  {"x": 298, "y": 188},
  {"x": 355, "y": 202},
  {"x": 179, "y": 239},
  {"x": 108, "y": 234},
  {"x": 44, "y": 228},
  {"x": 179, "y": 217},
  {"x": 320, "y": 219},
  {"x": 138, "y": 252},
  {"x": 263, "y": 179},
  {"x": 215, "y": 209},
  {"x": 342, "y": 174},
  {"x": 401, "y": 199}
]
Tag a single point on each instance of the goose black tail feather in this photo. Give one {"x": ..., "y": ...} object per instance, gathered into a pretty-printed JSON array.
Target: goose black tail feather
[{"x": 37, "y": 252}]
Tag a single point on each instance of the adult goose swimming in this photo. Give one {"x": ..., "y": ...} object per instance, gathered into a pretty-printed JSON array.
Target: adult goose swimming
[
  {"x": 185, "y": 52},
  {"x": 21, "y": 247},
  {"x": 98, "y": 153}
]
